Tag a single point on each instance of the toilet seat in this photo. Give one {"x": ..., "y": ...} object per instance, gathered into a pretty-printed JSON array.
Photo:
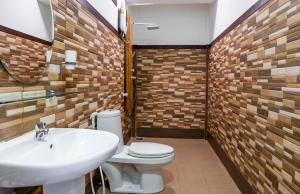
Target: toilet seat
[
  {"x": 124, "y": 157},
  {"x": 149, "y": 150}
]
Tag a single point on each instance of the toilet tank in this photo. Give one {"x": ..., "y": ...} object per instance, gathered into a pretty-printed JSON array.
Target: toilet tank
[{"x": 110, "y": 121}]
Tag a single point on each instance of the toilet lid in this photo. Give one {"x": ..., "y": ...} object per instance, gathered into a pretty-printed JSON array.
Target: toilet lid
[{"x": 149, "y": 150}]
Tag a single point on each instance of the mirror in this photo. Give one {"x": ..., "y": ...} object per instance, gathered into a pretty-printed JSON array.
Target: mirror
[
  {"x": 25, "y": 59},
  {"x": 24, "y": 70}
]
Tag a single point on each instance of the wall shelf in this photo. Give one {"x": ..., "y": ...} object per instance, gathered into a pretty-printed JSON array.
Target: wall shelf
[{"x": 49, "y": 95}]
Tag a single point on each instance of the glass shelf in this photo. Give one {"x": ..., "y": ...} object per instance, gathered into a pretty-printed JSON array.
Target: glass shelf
[{"x": 49, "y": 95}]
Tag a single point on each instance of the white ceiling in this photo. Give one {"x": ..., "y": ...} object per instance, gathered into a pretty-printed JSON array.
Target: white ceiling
[{"x": 153, "y": 2}]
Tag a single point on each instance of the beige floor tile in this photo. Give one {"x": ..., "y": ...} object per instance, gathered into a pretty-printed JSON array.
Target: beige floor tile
[
  {"x": 194, "y": 190},
  {"x": 191, "y": 179},
  {"x": 214, "y": 171},
  {"x": 226, "y": 191},
  {"x": 220, "y": 183},
  {"x": 171, "y": 174},
  {"x": 190, "y": 170},
  {"x": 170, "y": 190}
]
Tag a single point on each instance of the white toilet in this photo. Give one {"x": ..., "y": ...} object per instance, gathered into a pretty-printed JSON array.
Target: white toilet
[{"x": 134, "y": 168}]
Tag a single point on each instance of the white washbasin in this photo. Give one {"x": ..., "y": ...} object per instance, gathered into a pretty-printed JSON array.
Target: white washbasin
[{"x": 59, "y": 163}]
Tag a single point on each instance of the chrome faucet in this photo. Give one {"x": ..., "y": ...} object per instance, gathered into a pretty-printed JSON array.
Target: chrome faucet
[{"x": 41, "y": 131}]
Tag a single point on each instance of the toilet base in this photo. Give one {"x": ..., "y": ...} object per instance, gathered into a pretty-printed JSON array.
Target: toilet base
[{"x": 130, "y": 178}]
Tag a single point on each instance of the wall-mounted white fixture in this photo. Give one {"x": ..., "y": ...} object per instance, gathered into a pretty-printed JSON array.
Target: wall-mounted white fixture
[
  {"x": 48, "y": 56},
  {"x": 149, "y": 26},
  {"x": 70, "y": 59},
  {"x": 122, "y": 17}
]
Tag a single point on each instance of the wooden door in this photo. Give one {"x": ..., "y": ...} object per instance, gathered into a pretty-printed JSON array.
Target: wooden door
[{"x": 128, "y": 65}]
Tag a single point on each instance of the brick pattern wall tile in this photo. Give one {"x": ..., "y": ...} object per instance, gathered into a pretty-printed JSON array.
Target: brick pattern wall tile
[
  {"x": 98, "y": 76},
  {"x": 254, "y": 97},
  {"x": 171, "y": 88}
]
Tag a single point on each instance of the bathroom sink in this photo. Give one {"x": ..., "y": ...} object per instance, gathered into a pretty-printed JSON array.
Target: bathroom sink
[{"x": 59, "y": 163}]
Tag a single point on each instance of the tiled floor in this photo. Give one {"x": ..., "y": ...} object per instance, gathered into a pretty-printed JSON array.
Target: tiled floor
[{"x": 196, "y": 169}]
